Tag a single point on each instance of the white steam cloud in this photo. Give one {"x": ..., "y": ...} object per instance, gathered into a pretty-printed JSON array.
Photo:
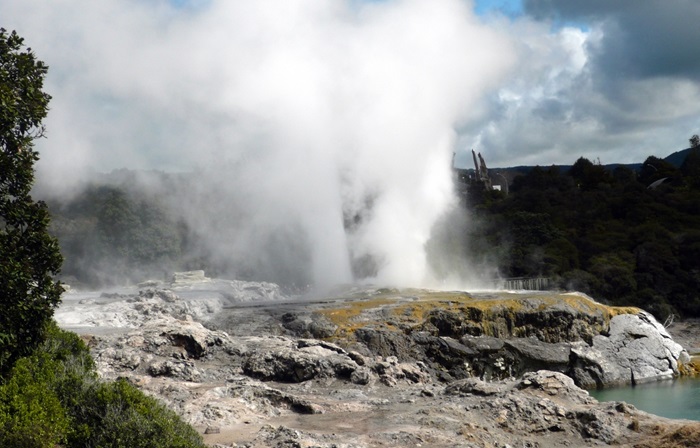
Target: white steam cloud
[{"x": 322, "y": 128}]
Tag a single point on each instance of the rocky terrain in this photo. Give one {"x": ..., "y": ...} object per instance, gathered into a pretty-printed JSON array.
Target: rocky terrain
[{"x": 381, "y": 367}]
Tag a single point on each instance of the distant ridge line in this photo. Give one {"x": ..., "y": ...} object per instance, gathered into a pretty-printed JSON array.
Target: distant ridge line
[{"x": 676, "y": 159}]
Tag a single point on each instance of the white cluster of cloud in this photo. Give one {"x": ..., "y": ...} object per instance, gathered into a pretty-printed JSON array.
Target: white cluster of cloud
[{"x": 300, "y": 112}]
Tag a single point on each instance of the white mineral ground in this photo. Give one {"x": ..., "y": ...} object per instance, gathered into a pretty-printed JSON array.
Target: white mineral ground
[{"x": 219, "y": 354}]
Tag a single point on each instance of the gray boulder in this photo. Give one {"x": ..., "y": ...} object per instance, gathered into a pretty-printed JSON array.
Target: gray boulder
[
  {"x": 286, "y": 360},
  {"x": 474, "y": 386},
  {"x": 535, "y": 354},
  {"x": 637, "y": 349}
]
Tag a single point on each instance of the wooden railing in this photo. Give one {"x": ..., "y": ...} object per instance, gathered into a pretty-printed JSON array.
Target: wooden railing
[{"x": 527, "y": 283}]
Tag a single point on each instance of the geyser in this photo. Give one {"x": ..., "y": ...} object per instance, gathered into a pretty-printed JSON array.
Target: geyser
[
  {"x": 349, "y": 111},
  {"x": 322, "y": 131}
]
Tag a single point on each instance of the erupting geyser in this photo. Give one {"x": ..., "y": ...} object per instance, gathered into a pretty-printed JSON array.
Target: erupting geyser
[
  {"x": 323, "y": 130},
  {"x": 345, "y": 115}
]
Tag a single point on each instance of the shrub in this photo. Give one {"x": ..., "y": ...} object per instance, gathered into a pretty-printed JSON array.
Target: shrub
[
  {"x": 119, "y": 415},
  {"x": 54, "y": 398},
  {"x": 31, "y": 414}
]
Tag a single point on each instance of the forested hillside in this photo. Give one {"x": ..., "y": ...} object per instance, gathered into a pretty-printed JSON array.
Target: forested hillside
[
  {"x": 118, "y": 230},
  {"x": 128, "y": 226},
  {"x": 622, "y": 236}
]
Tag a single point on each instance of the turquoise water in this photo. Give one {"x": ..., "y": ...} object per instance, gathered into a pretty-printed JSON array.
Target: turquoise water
[{"x": 673, "y": 399}]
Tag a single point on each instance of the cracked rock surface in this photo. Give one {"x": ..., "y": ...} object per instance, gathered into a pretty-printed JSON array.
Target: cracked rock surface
[{"x": 269, "y": 371}]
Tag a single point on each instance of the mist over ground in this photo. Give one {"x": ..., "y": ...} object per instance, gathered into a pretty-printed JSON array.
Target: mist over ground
[{"x": 129, "y": 226}]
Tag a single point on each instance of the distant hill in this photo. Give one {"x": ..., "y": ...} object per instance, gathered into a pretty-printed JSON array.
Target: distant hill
[
  {"x": 676, "y": 159},
  {"x": 500, "y": 175}
]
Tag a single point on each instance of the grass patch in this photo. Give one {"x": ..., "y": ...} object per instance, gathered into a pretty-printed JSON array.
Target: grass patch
[
  {"x": 683, "y": 437},
  {"x": 691, "y": 368}
]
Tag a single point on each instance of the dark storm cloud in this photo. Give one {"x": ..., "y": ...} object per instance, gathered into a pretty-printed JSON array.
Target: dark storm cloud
[
  {"x": 552, "y": 109},
  {"x": 641, "y": 39}
]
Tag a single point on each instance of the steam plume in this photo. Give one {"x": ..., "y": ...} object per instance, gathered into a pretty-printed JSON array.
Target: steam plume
[{"x": 324, "y": 129}]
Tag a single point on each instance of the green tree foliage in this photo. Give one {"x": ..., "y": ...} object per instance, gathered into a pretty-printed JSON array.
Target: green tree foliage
[
  {"x": 655, "y": 169},
  {"x": 588, "y": 175},
  {"x": 694, "y": 141},
  {"x": 690, "y": 168},
  {"x": 29, "y": 256},
  {"x": 618, "y": 235}
]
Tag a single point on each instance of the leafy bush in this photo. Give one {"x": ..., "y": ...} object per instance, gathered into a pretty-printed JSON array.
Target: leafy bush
[
  {"x": 54, "y": 398},
  {"x": 31, "y": 414},
  {"x": 119, "y": 415}
]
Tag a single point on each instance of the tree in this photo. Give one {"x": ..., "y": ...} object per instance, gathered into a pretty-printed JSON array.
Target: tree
[
  {"x": 694, "y": 141},
  {"x": 589, "y": 175},
  {"x": 29, "y": 256},
  {"x": 655, "y": 169}
]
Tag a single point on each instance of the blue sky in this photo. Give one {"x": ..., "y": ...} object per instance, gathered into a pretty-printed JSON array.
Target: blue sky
[{"x": 510, "y": 8}]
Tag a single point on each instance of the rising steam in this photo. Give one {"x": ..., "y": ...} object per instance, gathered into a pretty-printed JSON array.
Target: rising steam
[{"x": 322, "y": 131}]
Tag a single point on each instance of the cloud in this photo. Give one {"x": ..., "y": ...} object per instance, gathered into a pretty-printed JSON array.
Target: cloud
[
  {"x": 299, "y": 114},
  {"x": 611, "y": 80},
  {"x": 641, "y": 40}
]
